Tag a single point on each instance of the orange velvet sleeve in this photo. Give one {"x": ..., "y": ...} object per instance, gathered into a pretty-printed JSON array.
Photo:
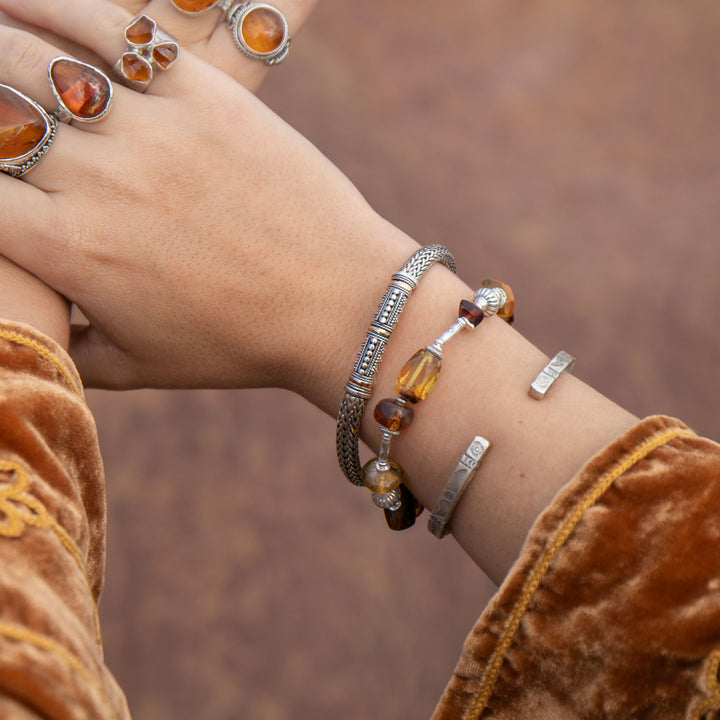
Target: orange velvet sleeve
[
  {"x": 52, "y": 539},
  {"x": 613, "y": 608}
]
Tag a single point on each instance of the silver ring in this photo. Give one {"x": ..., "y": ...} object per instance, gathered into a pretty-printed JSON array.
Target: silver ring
[
  {"x": 25, "y": 142},
  {"x": 259, "y": 30},
  {"x": 562, "y": 362},
  {"x": 462, "y": 475},
  {"x": 149, "y": 48},
  {"x": 83, "y": 92}
]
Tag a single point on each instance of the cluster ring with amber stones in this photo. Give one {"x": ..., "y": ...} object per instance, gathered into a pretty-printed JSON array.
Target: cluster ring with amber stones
[{"x": 149, "y": 48}]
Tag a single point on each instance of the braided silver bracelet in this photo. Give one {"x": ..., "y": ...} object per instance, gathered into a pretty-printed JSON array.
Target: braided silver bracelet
[{"x": 362, "y": 379}]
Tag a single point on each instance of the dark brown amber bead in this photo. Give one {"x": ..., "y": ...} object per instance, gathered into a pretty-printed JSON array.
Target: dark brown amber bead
[
  {"x": 471, "y": 312},
  {"x": 419, "y": 376},
  {"x": 393, "y": 414},
  {"x": 382, "y": 481},
  {"x": 507, "y": 311},
  {"x": 405, "y": 516},
  {"x": 22, "y": 126},
  {"x": 165, "y": 54}
]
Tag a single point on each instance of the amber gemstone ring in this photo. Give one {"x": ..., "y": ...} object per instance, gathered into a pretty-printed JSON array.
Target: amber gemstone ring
[
  {"x": 149, "y": 48},
  {"x": 26, "y": 132},
  {"x": 83, "y": 92},
  {"x": 260, "y": 31}
]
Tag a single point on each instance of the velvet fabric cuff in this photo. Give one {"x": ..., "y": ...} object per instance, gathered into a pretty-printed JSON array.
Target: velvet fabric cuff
[
  {"x": 52, "y": 538},
  {"x": 612, "y": 609}
]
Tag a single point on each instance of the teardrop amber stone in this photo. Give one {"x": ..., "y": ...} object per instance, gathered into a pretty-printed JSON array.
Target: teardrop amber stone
[
  {"x": 382, "y": 481},
  {"x": 263, "y": 30},
  {"x": 82, "y": 89},
  {"x": 393, "y": 414},
  {"x": 419, "y": 376},
  {"x": 193, "y": 5},
  {"x": 140, "y": 31},
  {"x": 22, "y": 126},
  {"x": 507, "y": 311}
]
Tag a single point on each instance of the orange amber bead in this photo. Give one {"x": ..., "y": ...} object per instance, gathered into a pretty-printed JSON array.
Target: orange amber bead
[
  {"x": 165, "y": 54},
  {"x": 193, "y": 5},
  {"x": 393, "y": 414},
  {"x": 141, "y": 31},
  {"x": 22, "y": 127},
  {"x": 136, "y": 68},
  {"x": 382, "y": 481},
  {"x": 507, "y": 311},
  {"x": 263, "y": 30},
  {"x": 418, "y": 377}
]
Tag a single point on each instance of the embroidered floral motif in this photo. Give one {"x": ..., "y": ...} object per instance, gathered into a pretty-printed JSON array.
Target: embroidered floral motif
[
  {"x": 19, "y": 508},
  {"x": 712, "y": 698}
]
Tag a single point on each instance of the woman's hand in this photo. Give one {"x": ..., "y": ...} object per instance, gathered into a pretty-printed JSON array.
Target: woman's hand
[
  {"x": 204, "y": 34},
  {"x": 200, "y": 235}
]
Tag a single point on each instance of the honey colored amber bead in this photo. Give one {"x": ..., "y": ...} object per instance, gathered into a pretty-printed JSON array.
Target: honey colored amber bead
[
  {"x": 165, "y": 54},
  {"x": 393, "y": 414},
  {"x": 141, "y": 31},
  {"x": 263, "y": 30},
  {"x": 193, "y": 5},
  {"x": 22, "y": 127},
  {"x": 382, "y": 481},
  {"x": 507, "y": 311},
  {"x": 403, "y": 517},
  {"x": 419, "y": 376},
  {"x": 136, "y": 68}
]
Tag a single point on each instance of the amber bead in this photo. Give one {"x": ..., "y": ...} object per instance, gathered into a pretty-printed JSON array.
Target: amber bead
[
  {"x": 263, "y": 30},
  {"x": 393, "y": 414},
  {"x": 136, "y": 68},
  {"x": 141, "y": 31},
  {"x": 193, "y": 5},
  {"x": 22, "y": 126},
  {"x": 507, "y": 311},
  {"x": 405, "y": 516},
  {"x": 82, "y": 89},
  {"x": 382, "y": 481},
  {"x": 165, "y": 54},
  {"x": 418, "y": 377},
  {"x": 471, "y": 312}
]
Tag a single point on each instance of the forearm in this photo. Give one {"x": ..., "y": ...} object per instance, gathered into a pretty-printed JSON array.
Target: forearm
[{"x": 536, "y": 447}]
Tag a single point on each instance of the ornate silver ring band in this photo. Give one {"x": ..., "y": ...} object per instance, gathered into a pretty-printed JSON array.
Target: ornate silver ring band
[
  {"x": 149, "y": 48},
  {"x": 541, "y": 385},
  {"x": 34, "y": 134},
  {"x": 360, "y": 385},
  {"x": 457, "y": 484}
]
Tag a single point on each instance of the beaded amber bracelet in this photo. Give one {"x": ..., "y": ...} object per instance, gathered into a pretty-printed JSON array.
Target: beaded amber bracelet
[{"x": 382, "y": 475}]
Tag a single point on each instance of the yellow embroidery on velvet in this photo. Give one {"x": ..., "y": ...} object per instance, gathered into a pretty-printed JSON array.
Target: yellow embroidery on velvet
[
  {"x": 543, "y": 562},
  {"x": 18, "y": 509},
  {"x": 713, "y": 688},
  {"x": 45, "y": 643},
  {"x": 41, "y": 350}
]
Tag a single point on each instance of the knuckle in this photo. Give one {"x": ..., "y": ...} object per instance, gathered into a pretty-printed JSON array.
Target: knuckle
[{"x": 23, "y": 53}]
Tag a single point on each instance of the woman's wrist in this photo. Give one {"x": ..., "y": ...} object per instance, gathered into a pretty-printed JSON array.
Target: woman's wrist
[
  {"x": 536, "y": 447},
  {"x": 24, "y": 298}
]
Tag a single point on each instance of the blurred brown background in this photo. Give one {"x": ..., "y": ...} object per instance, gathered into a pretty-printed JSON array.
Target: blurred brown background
[{"x": 569, "y": 147}]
